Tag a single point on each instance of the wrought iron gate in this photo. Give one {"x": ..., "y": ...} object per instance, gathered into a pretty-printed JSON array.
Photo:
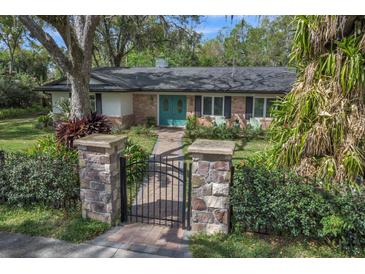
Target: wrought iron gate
[{"x": 156, "y": 190}]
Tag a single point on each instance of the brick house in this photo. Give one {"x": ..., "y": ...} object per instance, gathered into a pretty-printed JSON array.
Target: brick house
[{"x": 133, "y": 95}]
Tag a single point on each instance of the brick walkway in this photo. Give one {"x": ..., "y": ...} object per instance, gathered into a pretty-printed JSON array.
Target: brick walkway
[
  {"x": 161, "y": 194},
  {"x": 153, "y": 240},
  {"x": 158, "y": 197}
]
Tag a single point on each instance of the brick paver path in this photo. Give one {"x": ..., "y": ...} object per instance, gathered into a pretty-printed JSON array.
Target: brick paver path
[
  {"x": 147, "y": 239},
  {"x": 161, "y": 194}
]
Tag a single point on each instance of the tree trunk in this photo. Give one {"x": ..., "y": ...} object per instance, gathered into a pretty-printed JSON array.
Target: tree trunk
[
  {"x": 11, "y": 62},
  {"x": 80, "y": 100},
  {"x": 117, "y": 60}
]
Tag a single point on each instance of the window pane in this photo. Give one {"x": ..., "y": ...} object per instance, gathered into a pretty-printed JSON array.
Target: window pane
[
  {"x": 259, "y": 107},
  {"x": 93, "y": 102},
  {"x": 165, "y": 105},
  {"x": 218, "y": 106},
  {"x": 269, "y": 106},
  {"x": 207, "y": 105},
  {"x": 179, "y": 106}
]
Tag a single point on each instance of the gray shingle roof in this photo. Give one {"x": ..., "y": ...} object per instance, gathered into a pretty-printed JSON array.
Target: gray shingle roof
[{"x": 189, "y": 79}]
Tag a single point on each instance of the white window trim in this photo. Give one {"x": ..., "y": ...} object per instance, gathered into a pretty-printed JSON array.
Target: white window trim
[
  {"x": 265, "y": 106},
  {"x": 212, "y": 111}
]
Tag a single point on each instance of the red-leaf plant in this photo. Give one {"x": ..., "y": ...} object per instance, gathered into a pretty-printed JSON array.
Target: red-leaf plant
[{"x": 67, "y": 132}]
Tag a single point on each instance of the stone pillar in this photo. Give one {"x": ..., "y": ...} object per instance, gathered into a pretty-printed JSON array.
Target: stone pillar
[
  {"x": 211, "y": 177},
  {"x": 100, "y": 176}
]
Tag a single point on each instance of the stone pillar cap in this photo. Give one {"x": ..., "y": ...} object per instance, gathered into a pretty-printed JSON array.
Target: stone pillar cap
[
  {"x": 100, "y": 140},
  {"x": 204, "y": 146}
]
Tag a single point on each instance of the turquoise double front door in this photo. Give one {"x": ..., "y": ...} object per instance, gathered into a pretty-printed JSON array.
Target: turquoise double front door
[{"x": 172, "y": 110}]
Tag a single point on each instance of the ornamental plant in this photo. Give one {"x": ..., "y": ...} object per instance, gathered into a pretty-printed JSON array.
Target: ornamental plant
[
  {"x": 318, "y": 128},
  {"x": 67, "y": 132}
]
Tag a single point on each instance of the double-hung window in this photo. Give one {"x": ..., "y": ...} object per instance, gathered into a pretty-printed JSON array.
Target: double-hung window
[
  {"x": 213, "y": 105},
  {"x": 262, "y": 107}
]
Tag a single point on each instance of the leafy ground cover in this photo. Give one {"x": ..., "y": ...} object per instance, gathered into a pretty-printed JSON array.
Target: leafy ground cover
[
  {"x": 61, "y": 224},
  {"x": 248, "y": 245}
]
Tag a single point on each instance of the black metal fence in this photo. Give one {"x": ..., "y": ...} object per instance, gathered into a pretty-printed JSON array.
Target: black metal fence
[{"x": 156, "y": 190}]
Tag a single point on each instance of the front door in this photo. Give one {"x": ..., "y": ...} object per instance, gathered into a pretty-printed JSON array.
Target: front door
[{"x": 172, "y": 110}]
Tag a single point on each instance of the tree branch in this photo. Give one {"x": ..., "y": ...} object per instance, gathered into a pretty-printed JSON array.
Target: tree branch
[{"x": 47, "y": 41}]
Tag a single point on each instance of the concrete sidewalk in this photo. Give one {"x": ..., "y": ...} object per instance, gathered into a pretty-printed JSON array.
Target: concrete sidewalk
[{"x": 14, "y": 245}]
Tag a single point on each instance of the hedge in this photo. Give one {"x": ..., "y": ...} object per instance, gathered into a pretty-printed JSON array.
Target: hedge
[
  {"x": 277, "y": 202},
  {"x": 38, "y": 179}
]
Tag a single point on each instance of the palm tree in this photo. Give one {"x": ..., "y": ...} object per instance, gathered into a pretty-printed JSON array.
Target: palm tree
[{"x": 319, "y": 127}]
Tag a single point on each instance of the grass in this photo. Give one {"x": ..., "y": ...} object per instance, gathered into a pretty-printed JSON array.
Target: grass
[
  {"x": 246, "y": 149},
  {"x": 247, "y": 245},
  {"x": 146, "y": 141},
  {"x": 18, "y": 134},
  {"x": 66, "y": 225}
]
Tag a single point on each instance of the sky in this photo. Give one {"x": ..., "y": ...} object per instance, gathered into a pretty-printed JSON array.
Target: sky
[
  {"x": 212, "y": 24},
  {"x": 209, "y": 27}
]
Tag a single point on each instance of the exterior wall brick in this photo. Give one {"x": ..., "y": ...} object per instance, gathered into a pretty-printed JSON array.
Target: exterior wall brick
[
  {"x": 144, "y": 105},
  {"x": 190, "y": 105},
  {"x": 238, "y": 109},
  {"x": 100, "y": 176},
  {"x": 126, "y": 121}
]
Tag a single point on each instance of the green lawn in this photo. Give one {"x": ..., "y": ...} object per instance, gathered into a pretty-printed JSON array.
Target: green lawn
[
  {"x": 147, "y": 142},
  {"x": 243, "y": 149},
  {"x": 65, "y": 225},
  {"x": 247, "y": 149},
  {"x": 247, "y": 245},
  {"x": 19, "y": 133}
]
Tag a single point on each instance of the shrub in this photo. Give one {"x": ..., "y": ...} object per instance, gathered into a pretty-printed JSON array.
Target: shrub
[
  {"x": 135, "y": 172},
  {"x": 38, "y": 179},
  {"x": 67, "y": 132},
  {"x": 17, "y": 92},
  {"x": 346, "y": 226},
  {"x": 48, "y": 145},
  {"x": 150, "y": 121},
  {"x": 142, "y": 130},
  {"x": 44, "y": 121},
  {"x": 64, "y": 106},
  {"x": 269, "y": 201},
  {"x": 278, "y": 202},
  {"x": 217, "y": 131}
]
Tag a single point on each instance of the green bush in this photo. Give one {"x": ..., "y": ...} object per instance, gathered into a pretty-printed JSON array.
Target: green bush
[
  {"x": 44, "y": 121},
  {"x": 278, "y": 202},
  {"x": 134, "y": 153},
  {"x": 48, "y": 145},
  {"x": 39, "y": 179},
  {"x": 269, "y": 201},
  {"x": 6, "y": 113},
  {"x": 143, "y": 130},
  {"x": 151, "y": 121},
  {"x": 347, "y": 225},
  {"x": 18, "y": 91},
  {"x": 216, "y": 131}
]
